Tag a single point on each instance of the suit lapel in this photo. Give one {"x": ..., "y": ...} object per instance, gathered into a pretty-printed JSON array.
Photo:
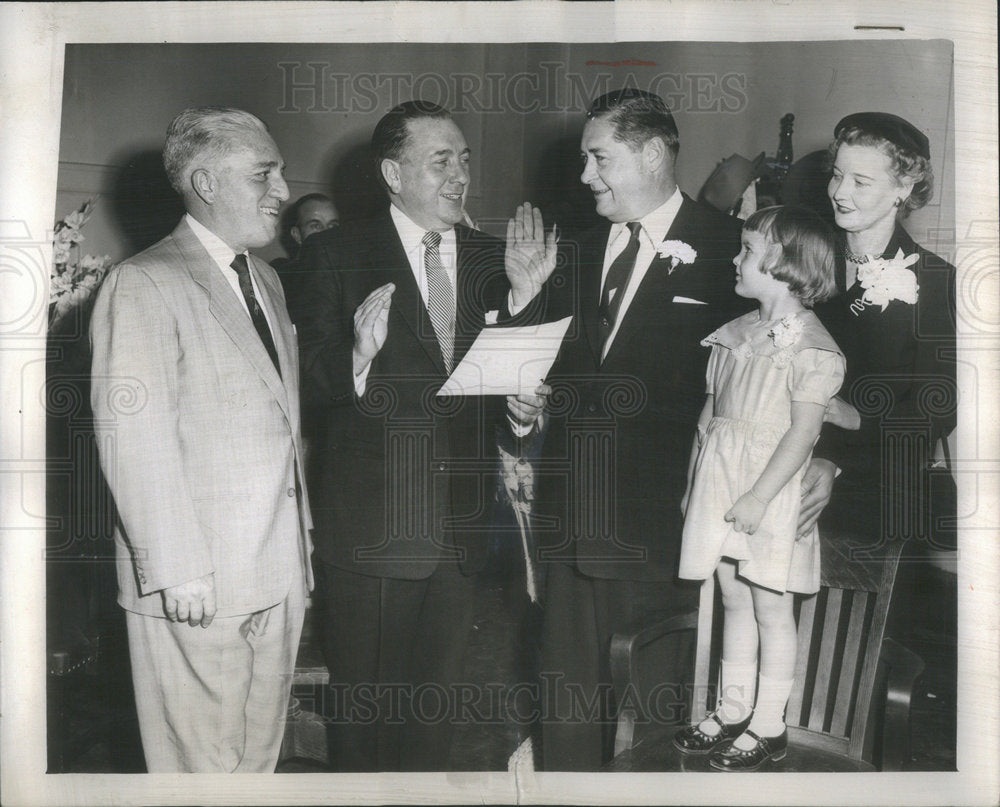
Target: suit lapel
[
  {"x": 231, "y": 316},
  {"x": 472, "y": 264},
  {"x": 281, "y": 329},
  {"x": 686, "y": 226},
  {"x": 653, "y": 295},
  {"x": 592, "y": 265}
]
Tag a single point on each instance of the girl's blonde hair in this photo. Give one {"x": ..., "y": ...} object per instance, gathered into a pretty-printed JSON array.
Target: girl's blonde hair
[{"x": 805, "y": 261}]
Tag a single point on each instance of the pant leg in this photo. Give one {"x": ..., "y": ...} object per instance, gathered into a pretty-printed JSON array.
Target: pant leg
[
  {"x": 581, "y": 616},
  {"x": 571, "y": 737},
  {"x": 435, "y": 668},
  {"x": 274, "y": 638},
  {"x": 348, "y": 625},
  {"x": 625, "y": 606},
  {"x": 201, "y": 691}
]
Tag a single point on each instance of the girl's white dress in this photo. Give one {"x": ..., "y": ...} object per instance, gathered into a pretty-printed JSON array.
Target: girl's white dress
[{"x": 755, "y": 372}]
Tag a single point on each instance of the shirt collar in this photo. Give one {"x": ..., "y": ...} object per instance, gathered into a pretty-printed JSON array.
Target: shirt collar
[
  {"x": 655, "y": 224},
  {"x": 220, "y": 251},
  {"x": 412, "y": 234}
]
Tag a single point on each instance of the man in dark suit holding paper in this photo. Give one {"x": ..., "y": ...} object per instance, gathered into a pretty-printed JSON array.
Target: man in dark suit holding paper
[
  {"x": 405, "y": 478},
  {"x": 644, "y": 289}
]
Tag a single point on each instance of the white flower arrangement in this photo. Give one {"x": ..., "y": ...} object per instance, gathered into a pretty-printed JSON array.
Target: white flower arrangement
[
  {"x": 678, "y": 251},
  {"x": 73, "y": 282},
  {"x": 885, "y": 280}
]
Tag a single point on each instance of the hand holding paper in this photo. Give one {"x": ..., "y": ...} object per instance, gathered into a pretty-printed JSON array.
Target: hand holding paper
[
  {"x": 507, "y": 361},
  {"x": 525, "y": 409}
]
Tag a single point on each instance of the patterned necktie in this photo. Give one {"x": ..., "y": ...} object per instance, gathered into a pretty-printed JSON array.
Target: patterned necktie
[
  {"x": 616, "y": 282},
  {"x": 440, "y": 298},
  {"x": 256, "y": 312}
]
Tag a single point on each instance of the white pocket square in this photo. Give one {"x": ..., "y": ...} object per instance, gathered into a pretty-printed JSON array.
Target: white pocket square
[
  {"x": 491, "y": 317},
  {"x": 688, "y": 300}
]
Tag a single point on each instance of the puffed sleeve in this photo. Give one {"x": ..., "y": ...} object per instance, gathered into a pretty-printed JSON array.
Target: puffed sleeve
[
  {"x": 816, "y": 375},
  {"x": 714, "y": 360}
]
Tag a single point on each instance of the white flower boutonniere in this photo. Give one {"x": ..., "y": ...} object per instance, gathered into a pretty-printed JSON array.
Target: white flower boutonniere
[
  {"x": 885, "y": 280},
  {"x": 784, "y": 335},
  {"x": 677, "y": 251}
]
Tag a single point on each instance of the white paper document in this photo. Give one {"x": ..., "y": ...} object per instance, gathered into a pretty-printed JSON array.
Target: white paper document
[{"x": 507, "y": 361}]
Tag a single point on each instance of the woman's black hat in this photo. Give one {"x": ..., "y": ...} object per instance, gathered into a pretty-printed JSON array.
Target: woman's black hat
[{"x": 893, "y": 128}]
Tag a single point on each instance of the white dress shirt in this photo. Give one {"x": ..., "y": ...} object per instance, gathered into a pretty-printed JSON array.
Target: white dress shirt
[
  {"x": 223, "y": 256},
  {"x": 655, "y": 226},
  {"x": 412, "y": 235}
]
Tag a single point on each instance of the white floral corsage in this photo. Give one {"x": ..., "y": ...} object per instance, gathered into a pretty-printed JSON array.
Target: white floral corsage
[
  {"x": 678, "y": 251},
  {"x": 784, "y": 335},
  {"x": 885, "y": 280}
]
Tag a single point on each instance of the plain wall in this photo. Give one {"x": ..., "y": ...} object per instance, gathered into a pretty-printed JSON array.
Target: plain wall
[{"x": 519, "y": 105}]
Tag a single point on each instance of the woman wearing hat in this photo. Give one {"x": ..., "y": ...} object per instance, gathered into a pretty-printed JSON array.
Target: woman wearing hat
[{"x": 894, "y": 319}]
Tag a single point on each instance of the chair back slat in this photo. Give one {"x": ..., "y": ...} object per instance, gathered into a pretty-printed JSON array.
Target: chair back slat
[
  {"x": 873, "y": 644},
  {"x": 849, "y": 665},
  {"x": 819, "y": 740},
  {"x": 793, "y": 712},
  {"x": 824, "y": 668}
]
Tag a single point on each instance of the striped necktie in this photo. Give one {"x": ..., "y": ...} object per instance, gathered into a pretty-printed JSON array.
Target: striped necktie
[{"x": 440, "y": 298}]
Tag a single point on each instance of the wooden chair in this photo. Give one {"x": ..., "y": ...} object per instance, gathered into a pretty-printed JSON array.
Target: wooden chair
[{"x": 850, "y": 708}]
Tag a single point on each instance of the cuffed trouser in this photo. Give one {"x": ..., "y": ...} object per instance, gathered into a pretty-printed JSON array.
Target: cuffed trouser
[{"x": 215, "y": 699}]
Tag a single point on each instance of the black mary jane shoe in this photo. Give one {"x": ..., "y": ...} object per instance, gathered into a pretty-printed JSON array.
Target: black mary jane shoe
[
  {"x": 692, "y": 740},
  {"x": 766, "y": 749}
]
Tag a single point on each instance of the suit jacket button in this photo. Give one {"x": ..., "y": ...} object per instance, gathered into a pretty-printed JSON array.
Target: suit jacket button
[
  {"x": 604, "y": 322},
  {"x": 442, "y": 467},
  {"x": 291, "y": 491},
  {"x": 591, "y": 408}
]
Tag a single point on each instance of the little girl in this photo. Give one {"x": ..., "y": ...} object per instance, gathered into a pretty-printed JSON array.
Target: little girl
[{"x": 771, "y": 377}]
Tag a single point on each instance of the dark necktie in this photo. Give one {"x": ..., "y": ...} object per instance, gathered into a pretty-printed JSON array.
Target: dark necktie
[
  {"x": 440, "y": 299},
  {"x": 616, "y": 282},
  {"x": 256, "y": 312}
]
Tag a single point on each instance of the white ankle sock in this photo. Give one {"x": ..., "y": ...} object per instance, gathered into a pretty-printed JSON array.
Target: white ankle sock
[
  {"x": 738, "y": 680},
  {"x": 769, "y": 711}
]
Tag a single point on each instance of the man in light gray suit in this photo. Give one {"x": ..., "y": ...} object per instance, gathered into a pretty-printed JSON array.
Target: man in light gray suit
[{"x": 195, "y": 394}]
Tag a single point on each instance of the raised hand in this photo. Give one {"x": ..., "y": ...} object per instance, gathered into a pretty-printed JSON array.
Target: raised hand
[
  {"x": 371, "y": 325},
  {"x": 530, "y": 257}
]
